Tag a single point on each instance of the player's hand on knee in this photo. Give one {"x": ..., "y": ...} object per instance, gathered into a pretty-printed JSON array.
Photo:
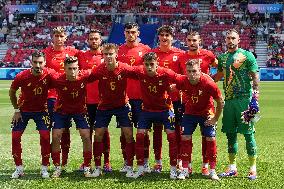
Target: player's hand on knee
[
  {"x": 211, "y": 121},
  {"x": 17, "y": 117}
]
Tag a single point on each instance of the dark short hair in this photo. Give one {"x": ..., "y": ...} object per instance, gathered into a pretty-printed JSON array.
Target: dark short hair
[
  {"x": 232, "y": 31},
  {"x": 150, "y": 56},
  {"x": 193, "y": 62},
  {"x": 109, "y": 46},
  {"x": 38, "y": 54},
  {"x": 131, "y": 25},
  {"x": 70, "y": 60},
  {"x": 193, "y": 33},
  {"x": 58, "y": 29},
  {"x": 167, "y": 29},
  {"x": 95, "y": 31}
]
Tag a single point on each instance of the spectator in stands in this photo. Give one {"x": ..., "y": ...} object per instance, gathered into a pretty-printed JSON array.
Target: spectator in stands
[
  {"x": 10, "y": 19},
  {"x": 26, "y": 63}
]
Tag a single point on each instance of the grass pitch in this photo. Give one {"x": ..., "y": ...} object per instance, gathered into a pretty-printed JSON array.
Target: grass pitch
[{"x": 269, "y": 137}]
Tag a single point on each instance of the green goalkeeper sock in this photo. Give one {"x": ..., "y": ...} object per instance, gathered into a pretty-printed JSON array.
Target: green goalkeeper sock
[
  {"x": 232, "y": 143},
  {"x": 252, "y": 161},
  {"x": 250, "y": 144}
]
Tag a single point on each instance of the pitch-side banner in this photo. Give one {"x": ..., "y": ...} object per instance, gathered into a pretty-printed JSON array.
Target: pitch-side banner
[
  {"x": 262, "y": 8},
  {"x": 23, "y": 9},
  {"x": 266, "y": 74},
  {"x": 9, "y": 73}
]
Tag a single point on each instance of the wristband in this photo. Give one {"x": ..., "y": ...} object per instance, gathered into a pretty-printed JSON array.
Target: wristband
[{"x": 17, "y": 110}]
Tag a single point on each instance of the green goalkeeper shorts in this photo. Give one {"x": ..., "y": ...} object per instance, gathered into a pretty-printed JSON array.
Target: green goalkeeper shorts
[{"x": 232, "y": 121}]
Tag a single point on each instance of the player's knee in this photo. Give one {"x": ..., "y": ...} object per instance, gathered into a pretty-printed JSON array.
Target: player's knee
[
  {"x": 86, "y": 139},
  {"x": 140, "y": 139},
  {"x": 186, "y": 137},
  {"x": 210, "y": 138},
  {"x": 56, "y": 135},
  {"x": 171, "y": 138},
  {"x": 98, "y": 137}
]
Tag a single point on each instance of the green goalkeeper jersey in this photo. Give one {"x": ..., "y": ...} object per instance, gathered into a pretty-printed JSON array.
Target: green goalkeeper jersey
[{"x": 236, "y": 67}]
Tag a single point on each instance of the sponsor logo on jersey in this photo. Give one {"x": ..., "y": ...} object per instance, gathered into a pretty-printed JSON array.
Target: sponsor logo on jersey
[{"x": 199, "y": 92}]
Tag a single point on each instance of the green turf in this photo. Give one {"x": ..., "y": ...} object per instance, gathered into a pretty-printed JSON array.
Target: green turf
[{"x": 269, "y": 140}]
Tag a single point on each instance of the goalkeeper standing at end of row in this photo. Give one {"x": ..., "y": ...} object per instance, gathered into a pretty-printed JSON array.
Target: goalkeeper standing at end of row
[{"x": 240, "y": 71}]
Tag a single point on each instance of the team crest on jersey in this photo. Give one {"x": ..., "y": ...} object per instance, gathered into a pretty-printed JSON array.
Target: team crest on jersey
[
  {"x": 82, "y": 85},
  {"x": 104, "y": 77},
  {"x": 119, "y": 77},
  {"x": 65, "y": 89},
  {"x": 160, "y": 82},
  {"x": 175, "y": 58},
  {"x": 29, "y": 84},
  {"x": 144, "y": 81},
  {"x": 140, "y": 53},
  {"x": 44, "y": 81},
  {"x": 199, "y": 92}
]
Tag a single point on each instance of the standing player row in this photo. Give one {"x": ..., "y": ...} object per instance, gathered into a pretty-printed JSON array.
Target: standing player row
[{"x": 131, "y": 52}]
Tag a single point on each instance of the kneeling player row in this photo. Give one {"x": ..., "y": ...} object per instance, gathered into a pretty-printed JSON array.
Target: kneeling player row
[{"x": 155, "y": 82}]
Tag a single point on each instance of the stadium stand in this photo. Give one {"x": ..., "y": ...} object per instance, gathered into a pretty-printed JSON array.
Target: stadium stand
[{"x": 23, "y": 33}]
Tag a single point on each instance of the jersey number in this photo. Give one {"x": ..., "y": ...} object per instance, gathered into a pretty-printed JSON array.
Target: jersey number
[
  {"x": 152, "y": 89},
  {"x": 37, "y": 91},
  {"x": 75, "y": 94},
  {"x": 194, "y": 99},
  {"x": 112, "y": 85},
  {"x": 46, "y": 120},
  {"x": 132, "y": 61}
]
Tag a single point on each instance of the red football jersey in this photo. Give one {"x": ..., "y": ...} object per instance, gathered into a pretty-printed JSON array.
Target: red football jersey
[
  {"x": 154, "y": 89},
  {"x": 112, "y": 85},
  {"x": 200, "y": 96},
  {"x": 34, "y": 89},
  {"x": 207, "y": 57},
  {"x": 170, "y": 59},
  {"x": 55, "y": 60},
  {"x": 133, "y": 57},
  {"x": 71, "y": 94},
  {"x": 89, "y": 60}
]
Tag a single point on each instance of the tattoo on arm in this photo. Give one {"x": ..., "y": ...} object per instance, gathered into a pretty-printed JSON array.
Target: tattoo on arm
[{"x": 255, "y": 81}]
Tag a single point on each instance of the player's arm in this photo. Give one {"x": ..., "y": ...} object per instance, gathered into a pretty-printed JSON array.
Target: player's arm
[
  {"x": 255, "y": 80},
  {"x": 253, "y": 72},
  {"x": 215, "y": 63},
  {"x": 95, "y": 73},
  {"x": 132, "y": 72},
  {"x": 218, "y": 110},
  {"x": 255, "y": 84},
  {"x": 13, "y": 98},
  {"x": 177, "y": 85},
  {"x": 215, "y": 92},
  {"x": 218, "y": 76}
]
